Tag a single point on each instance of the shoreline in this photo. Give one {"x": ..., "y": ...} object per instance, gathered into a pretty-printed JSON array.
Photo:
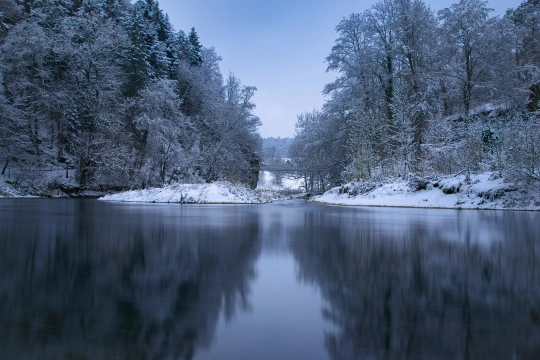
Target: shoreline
[
  {"x": 423, "y": 207},
  {"x": 484, "y": 191},
  {"x": 213, "y": 193}
]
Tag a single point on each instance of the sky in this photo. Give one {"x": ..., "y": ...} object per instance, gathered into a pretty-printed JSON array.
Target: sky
[{"x": 279, "y": 46}]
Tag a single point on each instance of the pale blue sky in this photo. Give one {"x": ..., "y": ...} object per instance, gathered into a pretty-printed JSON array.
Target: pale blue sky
[{"x": 279, "y": 46}]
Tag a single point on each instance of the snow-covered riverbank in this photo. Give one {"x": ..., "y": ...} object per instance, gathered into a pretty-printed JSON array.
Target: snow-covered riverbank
[
  {"x": 482, "y": 191},
  {"x": 215, "y": 193},
  {"x": 7, "y": 191}
]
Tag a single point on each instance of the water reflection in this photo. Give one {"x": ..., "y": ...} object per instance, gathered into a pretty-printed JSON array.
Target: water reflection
[
  {"x": 91, "y": 280},
  {"x": 83, "y": 280},
  {"x": 415, "y": 284}
]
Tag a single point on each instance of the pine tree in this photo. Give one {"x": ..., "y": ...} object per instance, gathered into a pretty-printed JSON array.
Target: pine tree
[
  {"x": 116, "y": 10},
  {"x": 110, "y": 88},
  {"x": 194, "y": 48}
]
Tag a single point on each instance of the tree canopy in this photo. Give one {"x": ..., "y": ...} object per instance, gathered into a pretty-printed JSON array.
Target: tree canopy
[
  {"x": 419, "y": 92},
  {"x": 111, "y": 92}
]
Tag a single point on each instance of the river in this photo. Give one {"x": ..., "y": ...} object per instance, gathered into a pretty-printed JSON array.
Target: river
[{"x": 83, "y": 279}]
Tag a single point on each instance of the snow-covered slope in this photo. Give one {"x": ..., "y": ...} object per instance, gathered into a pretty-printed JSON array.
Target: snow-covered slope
[
  {"x": 482, "y": 191},
  {"x": 268, "y": 182},
  {"x": 215, "y": 193},
  {"x": 7, "y": 191}
]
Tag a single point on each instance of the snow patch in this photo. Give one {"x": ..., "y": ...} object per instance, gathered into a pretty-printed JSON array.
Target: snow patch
[
  {"x": 482, "y": 191},
  {"x": 215, "y": 193},
  {"x": 8, "y": 191},
  {"x": 287, "y": 183},
  {"x": 276, "y": 189}
]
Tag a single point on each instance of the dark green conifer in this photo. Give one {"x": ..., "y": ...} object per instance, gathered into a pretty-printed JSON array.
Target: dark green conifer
[{"x": 194, "y": 48}]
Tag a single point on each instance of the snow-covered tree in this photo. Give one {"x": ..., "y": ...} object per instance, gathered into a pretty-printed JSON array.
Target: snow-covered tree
[
  {"x": 194, "y": 49},
  {"x": 419, "y": 93},
  {"x": 526, "y": 19},
  {"x": 110, "y": 89},
  {"x": 479, "y": 54}
]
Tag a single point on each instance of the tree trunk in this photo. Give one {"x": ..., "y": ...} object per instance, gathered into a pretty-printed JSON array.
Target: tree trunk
[
  {"x": 534, "y": 98},
  {"x": 5, "y": 166}
]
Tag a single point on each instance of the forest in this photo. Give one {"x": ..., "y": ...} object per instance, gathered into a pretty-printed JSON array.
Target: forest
[
  {"x": 105, "y": 94},
  {"x": 419, "y": 92}
]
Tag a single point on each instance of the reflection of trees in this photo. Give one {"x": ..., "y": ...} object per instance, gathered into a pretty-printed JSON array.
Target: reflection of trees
[
  {"x": 90, "y": 286},
  {"x": 416, "y": 297}
]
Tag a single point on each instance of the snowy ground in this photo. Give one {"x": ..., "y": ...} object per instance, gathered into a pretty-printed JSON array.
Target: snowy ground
[
  {"x": 215, "y": 193},
  {"x": 8, "y": 191},
  {"x": 221, "y": 192},
  {"x": 482, "y": 191},
  {"x": 268, "y": 182},
  {"x": 37, "y": 183},
  {"x": 285, "y": 188}
]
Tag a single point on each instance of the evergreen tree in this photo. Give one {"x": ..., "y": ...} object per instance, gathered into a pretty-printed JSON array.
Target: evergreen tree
[
  {"x": 116, "y": 10},
  {"x": 194, "y": 49},
  {"x": 138, "y": 66},
  {"x": 111, "y": 89}
]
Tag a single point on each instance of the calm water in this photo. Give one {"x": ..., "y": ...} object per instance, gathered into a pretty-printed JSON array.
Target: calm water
[{"x": 82, "y": 279}]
